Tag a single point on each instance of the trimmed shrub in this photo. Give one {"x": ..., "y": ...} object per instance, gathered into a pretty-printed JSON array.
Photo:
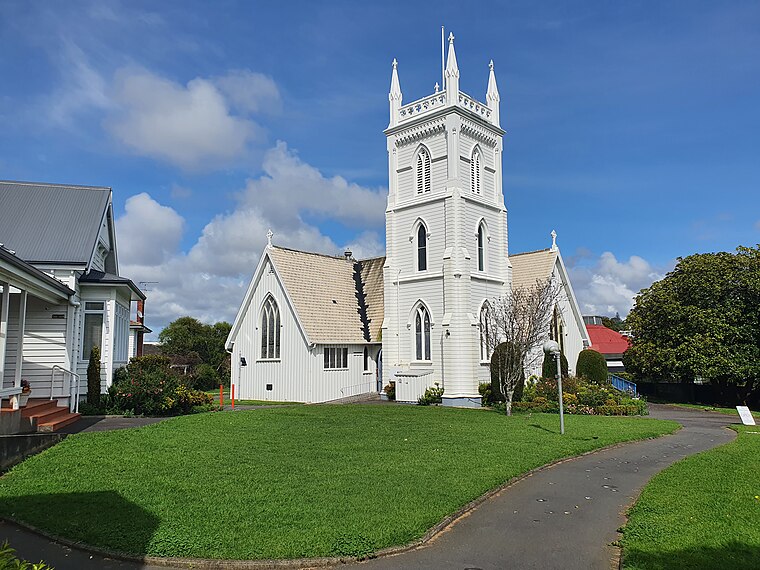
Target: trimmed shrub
[
  {"x": 93, "y": 377},
  {"x": 486, "y": 394},
  {"x": 390, "y": 390},
  {"x": 592, "y": 366},
  {"x": 433, "y": 395},
  {"x": 549, "y": 367}
]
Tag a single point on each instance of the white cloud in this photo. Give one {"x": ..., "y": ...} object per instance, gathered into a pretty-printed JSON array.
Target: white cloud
[
  {"x": 250, "y": 92},
  {"x": 609, "y": 286},
  {"x": 187, "y": 125},
  {"x": 209, "y": 280},
  {"x": 148, "y": 233}
]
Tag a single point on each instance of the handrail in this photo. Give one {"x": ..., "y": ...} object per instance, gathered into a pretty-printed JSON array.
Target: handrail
[
  {"x": 74, "y": 400},
  {"x": 622, "y": 384}
]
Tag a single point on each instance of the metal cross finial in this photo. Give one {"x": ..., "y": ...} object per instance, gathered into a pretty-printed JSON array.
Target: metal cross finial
[
  {"x": 270, "y": 234},
  {"x": 490, "y": 65},
  {"x": 554, "y": 240},
  {"x": 451, "y": 37},
  {"x": 395, "y": 63}
]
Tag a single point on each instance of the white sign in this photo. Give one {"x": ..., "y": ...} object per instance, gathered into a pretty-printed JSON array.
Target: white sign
[{"x": 745, "y": 415}]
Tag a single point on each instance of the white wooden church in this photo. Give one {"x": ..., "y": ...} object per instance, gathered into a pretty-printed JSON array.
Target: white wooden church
[{"x": 315, "y": 328}]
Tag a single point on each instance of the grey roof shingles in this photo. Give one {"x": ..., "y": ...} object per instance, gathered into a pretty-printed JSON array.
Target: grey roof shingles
[
  {"x": 51, "y": 222},
  {"x": 328, "y": 297}
]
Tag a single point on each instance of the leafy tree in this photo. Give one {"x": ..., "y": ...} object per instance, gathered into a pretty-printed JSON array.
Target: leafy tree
[
  {"x": 93, "y": 377},
  {"x": 592, "y": 366},
  {"x": 701, "y": 321},
  {"x": 190, "y": 342},
  {"x": 517, "y": 324},
  {"x": 615, "y": 323}
]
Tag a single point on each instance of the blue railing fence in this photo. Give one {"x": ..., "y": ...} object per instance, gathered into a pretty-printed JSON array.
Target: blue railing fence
[{"x": 622, "y": 384}]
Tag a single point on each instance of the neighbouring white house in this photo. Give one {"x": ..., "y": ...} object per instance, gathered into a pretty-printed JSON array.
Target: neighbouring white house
[
  {"x": 61, "y": 292},
  {"x": 313, "y": 328}
]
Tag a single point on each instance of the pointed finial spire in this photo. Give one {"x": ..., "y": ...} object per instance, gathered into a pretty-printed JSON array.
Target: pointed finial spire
[
  {"x": 554, "y": 240},
  {"x": 452, "y": 74},
  {"x": 437, "y": 87},
  {"x": 270, "y": 235},
  {"x": 394, "y": 96},
  {"x": 492, "y": 95}
]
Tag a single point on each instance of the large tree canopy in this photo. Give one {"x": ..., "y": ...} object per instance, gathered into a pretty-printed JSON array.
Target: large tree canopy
[
  {"x": 701, "y": 321},
  {"x": 197, "y": 343}
]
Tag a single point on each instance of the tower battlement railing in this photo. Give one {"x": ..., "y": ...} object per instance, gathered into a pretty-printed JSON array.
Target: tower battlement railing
[{"x": 437, "y": 101}]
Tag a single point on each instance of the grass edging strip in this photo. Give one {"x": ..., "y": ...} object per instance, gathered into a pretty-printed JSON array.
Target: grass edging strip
[{"x": 429, "y": 536}]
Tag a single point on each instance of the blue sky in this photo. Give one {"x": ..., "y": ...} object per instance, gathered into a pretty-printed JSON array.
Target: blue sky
[{"x": 632, "y": 128}]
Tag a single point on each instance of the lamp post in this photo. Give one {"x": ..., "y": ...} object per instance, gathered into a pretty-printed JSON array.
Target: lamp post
[{"x": 551, "y": 347}]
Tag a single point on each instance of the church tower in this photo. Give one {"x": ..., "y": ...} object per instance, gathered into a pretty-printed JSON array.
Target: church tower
[{"x": 446, "y": 234}]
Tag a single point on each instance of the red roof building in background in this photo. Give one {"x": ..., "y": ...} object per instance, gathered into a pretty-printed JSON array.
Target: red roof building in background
[{"x": 610, "y": 343}]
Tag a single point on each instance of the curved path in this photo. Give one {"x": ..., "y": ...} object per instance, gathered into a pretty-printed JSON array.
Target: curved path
[{"x": 564, "y": 517}]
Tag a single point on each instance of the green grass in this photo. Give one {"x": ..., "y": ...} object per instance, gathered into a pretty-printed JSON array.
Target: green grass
[
  {"x": 726, "y": 411},
  {"x": 227, "y": 401},
  {"x": 701, "y": 513},
  {"x": 289, "y": 482}
]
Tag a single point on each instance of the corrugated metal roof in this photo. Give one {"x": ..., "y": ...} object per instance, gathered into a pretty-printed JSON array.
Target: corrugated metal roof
[
  {"x": 532, "y": 266},
  {"x": 95, "y": 277},
  {"x": 606, "y": 340},
  {"x": 51, "y": 222},
  {"x": 326, "y": 294}
]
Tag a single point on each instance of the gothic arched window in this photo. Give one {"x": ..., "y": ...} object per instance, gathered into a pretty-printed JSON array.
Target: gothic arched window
[
  {"x": 270, "y": 329},
  {"x": 423, "y": 170},
  {"x": 481, "y": 247},
  {"x": 485, "y": 332},
  {"x": 422, "y": 333},
  {"x": 421, "y": 247},
  {"x": 475, "y": 171}
]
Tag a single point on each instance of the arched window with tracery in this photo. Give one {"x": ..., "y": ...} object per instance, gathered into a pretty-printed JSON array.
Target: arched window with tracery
[
  {"x": 475, "y": 171},
  {"x": 421, "y": 247},
  {"x": 485, "y": 332},
  {"x": 423, "y": 170},
  {"x": 481, "y": 247},
  {"x": 422, "y": 333},
  {"x": 270, "y": 329}
]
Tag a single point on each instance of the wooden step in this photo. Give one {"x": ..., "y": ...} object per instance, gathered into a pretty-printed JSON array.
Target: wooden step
[
  {"x": 42, "y": 413},
  {"x": 58, "y": 422},
  {"x": 34, "y": 407}
]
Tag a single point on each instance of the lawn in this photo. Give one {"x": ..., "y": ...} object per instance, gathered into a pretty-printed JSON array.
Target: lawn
[
  {"x": 701, "y": 513},
  {"x": 227, "y": 401},
  {"x": 726, "y": 411},
  {"x": 289, "y": 482}
]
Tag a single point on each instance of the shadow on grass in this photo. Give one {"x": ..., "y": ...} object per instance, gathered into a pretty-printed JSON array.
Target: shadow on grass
[
  {"x": 556, "y": 432},
  {"x": 734, "y": 555},
  {"x": 103, "y": 519}
]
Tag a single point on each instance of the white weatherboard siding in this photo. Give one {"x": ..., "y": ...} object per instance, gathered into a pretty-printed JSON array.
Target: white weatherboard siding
[
  {"x": 299, "y": 374},
  {"x": 44, "y": 345}
]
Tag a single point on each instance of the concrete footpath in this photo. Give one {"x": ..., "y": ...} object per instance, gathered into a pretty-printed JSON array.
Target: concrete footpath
[{"x": 564, "y": 517}]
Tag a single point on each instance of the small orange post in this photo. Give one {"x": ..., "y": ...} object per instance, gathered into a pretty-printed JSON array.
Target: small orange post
[
  {"x": 221, "y": 396},
  {"x": 232, "y": 395}
]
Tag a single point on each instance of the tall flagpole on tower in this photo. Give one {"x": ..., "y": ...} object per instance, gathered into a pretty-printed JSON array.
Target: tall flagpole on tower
[{"x": 443, "y": 65}]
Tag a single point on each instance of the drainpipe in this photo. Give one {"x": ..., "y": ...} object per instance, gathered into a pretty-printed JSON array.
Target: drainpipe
[{"x": 398, "y": 320}]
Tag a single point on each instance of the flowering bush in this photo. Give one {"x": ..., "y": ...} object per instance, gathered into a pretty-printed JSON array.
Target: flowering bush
[
  {"x": 579, "y": 397},
  {"x": 149, "y": 387}
]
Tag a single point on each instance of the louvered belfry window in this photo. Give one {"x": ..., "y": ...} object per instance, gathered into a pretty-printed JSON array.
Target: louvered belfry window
[
  {"x": 475, "y": 171},
  {"x": 423, "y": 171},
  {"x": 270, "y": 330}
]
